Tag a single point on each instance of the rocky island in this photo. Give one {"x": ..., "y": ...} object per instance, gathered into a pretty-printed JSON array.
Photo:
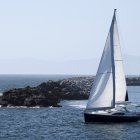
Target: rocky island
[{"x": 52, "y": 92}]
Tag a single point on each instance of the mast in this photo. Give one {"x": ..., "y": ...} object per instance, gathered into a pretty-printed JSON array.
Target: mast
[{"x": 113, "y": 52}]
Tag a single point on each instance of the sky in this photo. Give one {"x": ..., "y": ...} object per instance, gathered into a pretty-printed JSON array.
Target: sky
[{"x": 64, "y": 36}]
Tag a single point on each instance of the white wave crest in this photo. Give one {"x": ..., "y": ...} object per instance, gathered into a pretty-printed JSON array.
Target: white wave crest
[{"x": 74, "y": 103}]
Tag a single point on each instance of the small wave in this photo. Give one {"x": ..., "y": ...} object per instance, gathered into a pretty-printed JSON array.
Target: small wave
[
  {"x": 16, "y": 106},
  {"x": 74, "y": 103},
  {"x": 22, "y": 107},
  {"x": 35, "y": 107}
]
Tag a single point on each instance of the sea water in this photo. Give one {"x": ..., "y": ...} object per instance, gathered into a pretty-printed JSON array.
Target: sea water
[{"x": 65, "y": 123}]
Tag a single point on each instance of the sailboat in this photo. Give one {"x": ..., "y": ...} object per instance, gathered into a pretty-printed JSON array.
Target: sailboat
[{"x": 108, "y": 95}]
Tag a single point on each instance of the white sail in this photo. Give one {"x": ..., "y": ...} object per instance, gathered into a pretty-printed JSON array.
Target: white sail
[
  {"x": 120, "y": 82},
  {"x": 103, "y": 91},
  {"x": 109, "y": 84}
]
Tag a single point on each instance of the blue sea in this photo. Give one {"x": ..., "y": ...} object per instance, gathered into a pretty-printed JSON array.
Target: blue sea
[{"x": 65, "y": 123}]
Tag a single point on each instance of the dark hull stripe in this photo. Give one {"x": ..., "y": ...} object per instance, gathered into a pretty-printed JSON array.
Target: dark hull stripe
[{"x": 110, "y": 118}]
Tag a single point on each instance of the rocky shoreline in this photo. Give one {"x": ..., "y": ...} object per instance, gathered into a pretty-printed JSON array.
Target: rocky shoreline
[{"x": 52, "y": 92}]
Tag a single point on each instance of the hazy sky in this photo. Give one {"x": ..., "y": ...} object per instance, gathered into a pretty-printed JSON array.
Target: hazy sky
[{"x": 64, "y": 30}]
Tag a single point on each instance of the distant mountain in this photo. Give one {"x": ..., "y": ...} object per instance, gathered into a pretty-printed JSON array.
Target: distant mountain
[{"x": 37, "y": 66}]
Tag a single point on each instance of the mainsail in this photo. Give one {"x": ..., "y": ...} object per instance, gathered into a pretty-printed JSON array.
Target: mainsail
[
  {"x": 120, "y": 82},
  {"x": 109, "y": 84}
]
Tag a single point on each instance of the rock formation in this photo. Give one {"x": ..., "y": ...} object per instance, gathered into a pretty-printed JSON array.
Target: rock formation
[{"x": 51, "y": 92}]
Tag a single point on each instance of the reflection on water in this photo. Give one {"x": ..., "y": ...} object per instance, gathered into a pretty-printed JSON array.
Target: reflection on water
[{"x": 125, "y": 131}]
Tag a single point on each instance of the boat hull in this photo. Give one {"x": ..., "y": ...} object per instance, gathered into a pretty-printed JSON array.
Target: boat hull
[{"x": 110, "y": 118}]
